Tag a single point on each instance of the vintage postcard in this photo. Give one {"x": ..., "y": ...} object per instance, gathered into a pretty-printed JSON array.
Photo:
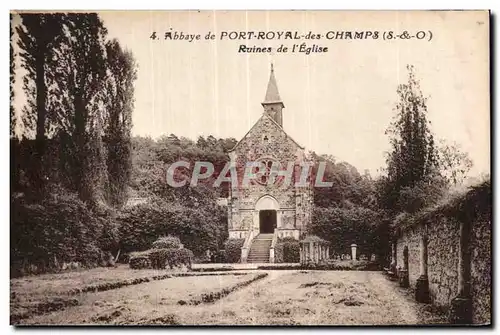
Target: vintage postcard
[{"x": 250, "y": 168}]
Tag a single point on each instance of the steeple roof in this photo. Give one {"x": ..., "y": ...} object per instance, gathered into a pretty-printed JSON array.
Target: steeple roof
[{"x": 272, "y": 94}]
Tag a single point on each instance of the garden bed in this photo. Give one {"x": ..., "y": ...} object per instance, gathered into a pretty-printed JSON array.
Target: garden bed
[{"x": 36, "y": 295}]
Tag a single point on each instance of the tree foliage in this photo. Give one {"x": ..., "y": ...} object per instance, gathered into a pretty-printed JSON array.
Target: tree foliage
[
  {"x": 413, "y": 157},
  {"x": 198, "y": 229},
  {"x": 454, "y": 163},
  {"x": 344, "y": 226},
  {"x": 79, "y": 90},
  {"x": 39, "y": 37},
  {"x": 119, "y": 104}
]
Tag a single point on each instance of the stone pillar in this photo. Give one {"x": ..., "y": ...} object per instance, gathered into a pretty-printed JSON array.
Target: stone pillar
[
  {"x": 461, "y": 305},
  {"x": 394, "y": 257},
  {"x": 405, "y": 273},
  {"x": 301, "y": 258},
  {"x": 422, "y": 286},
  {"x": 311, "y": 251},
  {"x": 327, "y": 252},
  {"x": 316, "y": 252},
  {"x": 353, "y": 251}
]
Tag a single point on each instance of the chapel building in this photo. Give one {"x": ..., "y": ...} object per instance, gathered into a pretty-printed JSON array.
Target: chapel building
[{"x": 268, "y": 208}]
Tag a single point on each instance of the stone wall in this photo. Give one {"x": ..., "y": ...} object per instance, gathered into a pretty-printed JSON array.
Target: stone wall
[
  {"x": 411, "y": 239},
  {"x": 443, "y": 251},
  {"x": 481, "y": 270},
  {"x": 267, "y": 140},
  {"x": 442, "y": 260}
]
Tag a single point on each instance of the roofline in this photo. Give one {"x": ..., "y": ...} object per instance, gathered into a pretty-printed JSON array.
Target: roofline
[
  {"x": 272, "y": 120},
  {"x": 272, "y": 103}
]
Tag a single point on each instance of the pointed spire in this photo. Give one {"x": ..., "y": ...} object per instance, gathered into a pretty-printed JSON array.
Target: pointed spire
[
  {"x": 272, "y": 94},
  {"x": 273, "y": 106}
]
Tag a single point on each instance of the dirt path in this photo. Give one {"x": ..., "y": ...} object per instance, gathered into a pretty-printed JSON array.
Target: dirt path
[{"x": 311, "y": 298}]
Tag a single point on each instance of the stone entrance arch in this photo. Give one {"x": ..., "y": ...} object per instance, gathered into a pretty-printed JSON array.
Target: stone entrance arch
[{"x": 267, "y": 215}]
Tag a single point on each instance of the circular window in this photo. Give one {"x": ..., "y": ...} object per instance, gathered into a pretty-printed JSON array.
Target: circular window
[{"x": 266, "y": 164}]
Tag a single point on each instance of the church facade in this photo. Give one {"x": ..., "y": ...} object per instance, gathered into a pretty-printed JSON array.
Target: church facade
[{"x": 268, "y": 206}]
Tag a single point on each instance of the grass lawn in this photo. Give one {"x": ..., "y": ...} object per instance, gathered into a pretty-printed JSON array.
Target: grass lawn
[
  {"x": 284, "y": 297},
  {"x": 146, "y": 302}
]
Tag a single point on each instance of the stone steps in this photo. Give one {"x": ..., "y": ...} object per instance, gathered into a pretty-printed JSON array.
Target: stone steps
[{"x": 259, "y": 251}]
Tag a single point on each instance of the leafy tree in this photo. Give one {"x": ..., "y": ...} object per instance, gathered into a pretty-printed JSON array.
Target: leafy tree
[
  {"x": 39, "y": 36},
  {"x": 122, "y": 72},
  {"x": 349, "y": 188},
  {"x": 77, "y": 101},
  {"x": 413, "y": 157},
  {"x": 454, "y": 163}
]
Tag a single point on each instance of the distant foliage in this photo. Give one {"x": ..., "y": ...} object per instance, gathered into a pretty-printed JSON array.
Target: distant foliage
[
  {"x": 342, "y": 227},
  {"x": 454, "y": 163},
  {"x": 198, "y": 229},
  {"x": 151, "y": 159},
  {"x": 167, "y": 242},
  {"x": 232, "y": 248},
  {"x": 350, "y": 188}
]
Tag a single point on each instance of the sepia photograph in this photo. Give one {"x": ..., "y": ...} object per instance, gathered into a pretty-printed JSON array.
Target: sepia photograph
[{"x": 250, "y": 168}]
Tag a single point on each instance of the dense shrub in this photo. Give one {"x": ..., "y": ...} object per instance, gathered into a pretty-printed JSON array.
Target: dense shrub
[
  {"x": 160, "y": 258},
  {"x": 233, "y": 249},
  {"x": 344, "y": 226},
  {"x": 58, "y": 230},
  {"x": 173, "y": 257},
  {"x": 278, "y": 253},
  {"x": 167, "y": 242},
  {"x": 287, "y": 250},
  {"x": 140, "y": 260},
  {"x": 291, "y": 250},
  {"x": 198, "y": 228}
]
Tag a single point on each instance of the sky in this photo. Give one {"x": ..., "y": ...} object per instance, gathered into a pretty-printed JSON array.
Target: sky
[{"x": 338, "y": 102}]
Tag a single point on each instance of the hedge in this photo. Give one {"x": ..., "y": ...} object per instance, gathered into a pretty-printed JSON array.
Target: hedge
[
  {"x": 160, "y": 258},
  {"x": 233, "y": 249},
  {"x": 58, "y": 230},
  {"x": 167, "y": 242},
  {"x": 287, "y": 250}
]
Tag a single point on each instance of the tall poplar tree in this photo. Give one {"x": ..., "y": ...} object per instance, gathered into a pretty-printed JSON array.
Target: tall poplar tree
[
  {"x": 413, "y": 157},
  {"x": 119, "y": 104},
  {"x": 39, "y": 36}
]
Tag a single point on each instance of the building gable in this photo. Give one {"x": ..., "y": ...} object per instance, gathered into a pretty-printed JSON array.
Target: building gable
[{"x": 265, "y": 137}]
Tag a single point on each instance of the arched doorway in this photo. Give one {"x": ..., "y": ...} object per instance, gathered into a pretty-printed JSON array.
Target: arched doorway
[
  {"x": 267, "y": 207},
  {"x": 267, "y": 221}
]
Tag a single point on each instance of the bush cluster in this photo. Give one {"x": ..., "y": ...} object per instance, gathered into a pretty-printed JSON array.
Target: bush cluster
[
  {"x": 173, "y": 257},
  {"x": 233, "y": 249},
  {"x": 58, "y": 230},
  {"x": 167, "y": 242},
  {"x": 287, "y": 250},
  {"x": 159, "y": 258},
  {"x": 140, "y": 261}
]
